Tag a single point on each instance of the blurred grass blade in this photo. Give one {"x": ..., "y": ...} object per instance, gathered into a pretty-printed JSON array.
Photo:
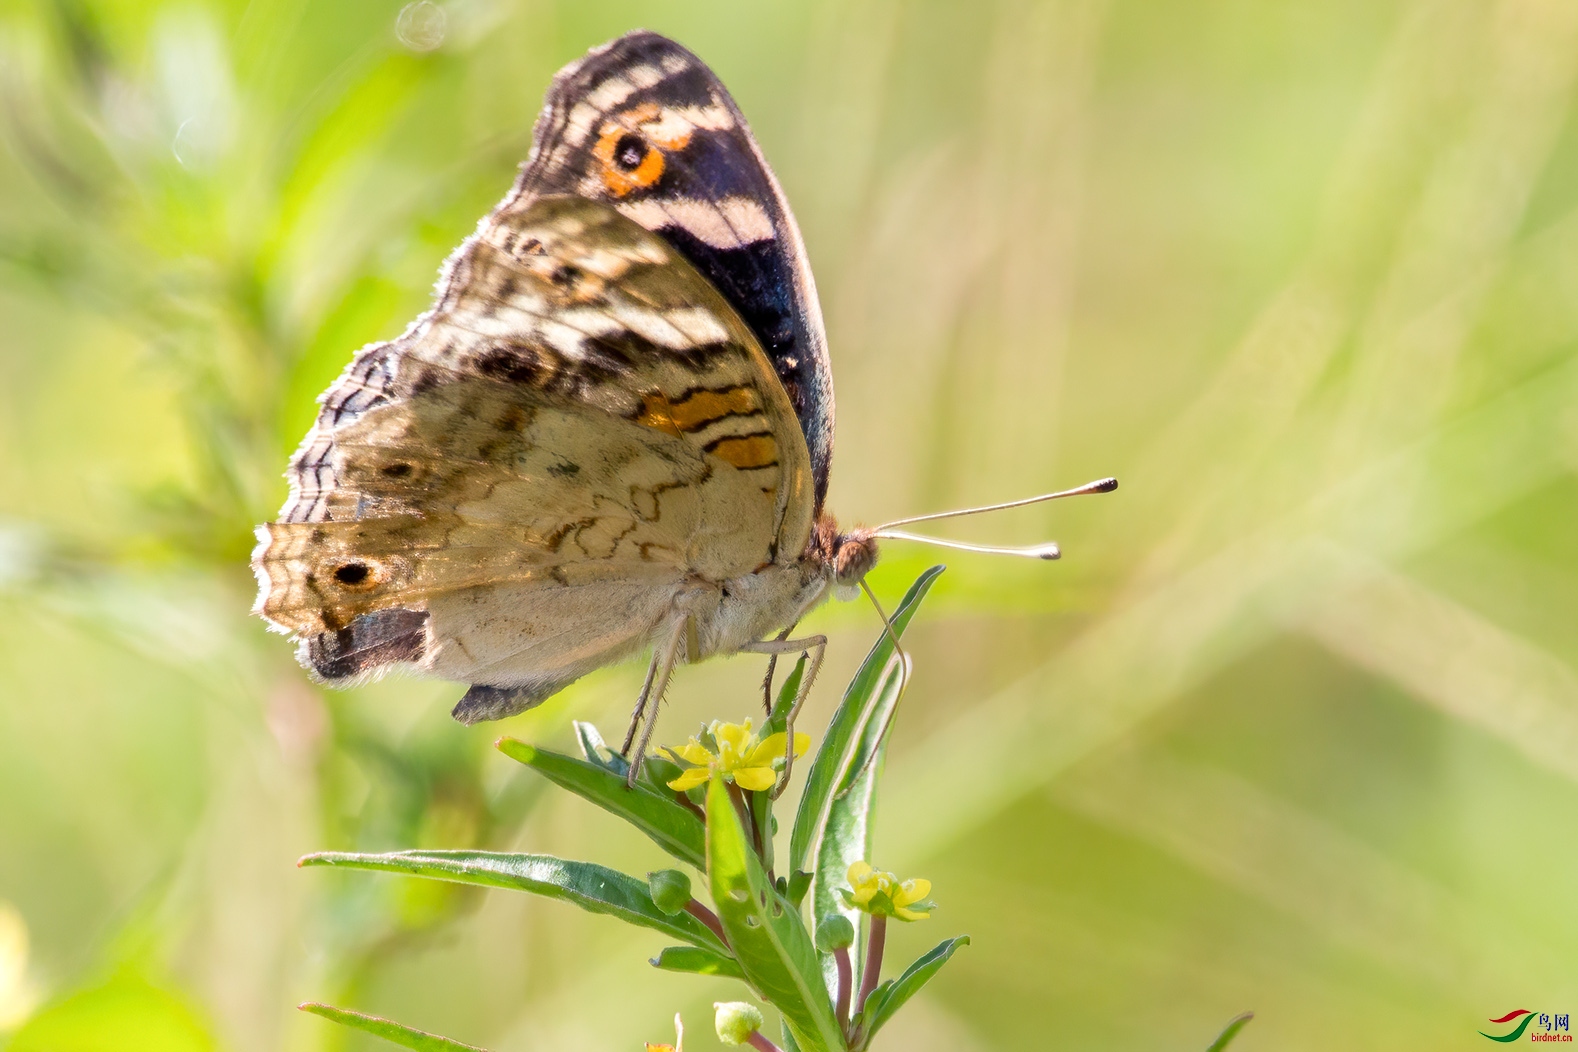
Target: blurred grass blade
[
  {"x": 670, "y": 825},
  {"x": 594, "y": 888},
  {"x": 888, "y": 998},
  {"x": 770, "y": 941},
  {"x": 697, "y": 961},
  {"x": 845, "y": 745},
  {"x": 389, "y": 1030},
  {"x": 1230, "y": 1031}
]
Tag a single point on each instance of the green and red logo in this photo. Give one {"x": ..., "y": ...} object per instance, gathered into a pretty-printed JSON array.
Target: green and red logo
[{"x": 1550, "y": 1026}]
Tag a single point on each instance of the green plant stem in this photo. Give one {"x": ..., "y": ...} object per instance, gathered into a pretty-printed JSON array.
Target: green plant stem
[
  {"x": 759, "y": 1041},
  {"x": 879, "y": 934},
  {"x": 845, "y": 980},
  {"x": 742, "y": 807},
  {"x": 689, "y": 804},
  {"x": 707, "y": 917}
]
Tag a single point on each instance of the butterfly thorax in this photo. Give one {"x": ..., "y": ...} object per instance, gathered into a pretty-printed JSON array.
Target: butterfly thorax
[{"x": 735, "y": 612}]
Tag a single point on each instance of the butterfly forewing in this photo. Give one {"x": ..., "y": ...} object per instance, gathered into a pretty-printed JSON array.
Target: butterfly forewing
[{"x": 643, "y": 124}]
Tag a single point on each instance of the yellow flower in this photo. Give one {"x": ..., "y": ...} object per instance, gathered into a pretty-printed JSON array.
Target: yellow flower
[
  {"x": 733, "y": 750},
  {"x": 883, "y": 895}
]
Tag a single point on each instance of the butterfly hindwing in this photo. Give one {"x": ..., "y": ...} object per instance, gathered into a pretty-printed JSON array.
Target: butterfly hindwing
[
  {"x": 511, "y": 493},
  {"x": 643, "y": 125}
]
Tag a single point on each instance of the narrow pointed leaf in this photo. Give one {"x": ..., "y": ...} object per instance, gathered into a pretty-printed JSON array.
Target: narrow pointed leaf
[
  {"x": 594, "y": 888},
  {"x": 837, "y": 809},
  {"x": 390, "y": 1031},
  {"x": 888, "y": 998},
  {"x": 846, "y": 839},
  {"x": 696, "y": 960},
  {"x": 673, "y": 827},
  {"x": 1230, "y": 1031},
  {"x": 777, "y": 720},
  {"x": 864, "y": 704},
  {"x": 592, "y": 746},
  {"x": 770, "y": 941}
]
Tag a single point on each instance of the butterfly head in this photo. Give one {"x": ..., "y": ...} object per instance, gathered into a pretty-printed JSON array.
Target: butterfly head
[{"x": 846, "y": 556}]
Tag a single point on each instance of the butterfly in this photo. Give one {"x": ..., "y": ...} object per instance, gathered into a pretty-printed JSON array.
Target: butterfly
[{"x": 610, "y": 434}]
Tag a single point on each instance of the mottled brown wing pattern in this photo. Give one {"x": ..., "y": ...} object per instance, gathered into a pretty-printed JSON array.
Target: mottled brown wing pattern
[
  {"x": 643, "y": 125},
  {"x": 511, "y": 491}
]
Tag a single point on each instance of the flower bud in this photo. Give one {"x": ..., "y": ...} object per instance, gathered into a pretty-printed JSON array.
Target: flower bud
[
  {"x": 670, "y": 890},
  {"x": 736, "y": 1021},
  {"x": 834, "y": 932}
]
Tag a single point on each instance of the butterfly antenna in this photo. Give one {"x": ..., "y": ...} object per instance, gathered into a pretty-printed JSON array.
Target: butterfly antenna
[
  {"x": 887, "y": 624},
  {"x": 1034, "y": 551}
]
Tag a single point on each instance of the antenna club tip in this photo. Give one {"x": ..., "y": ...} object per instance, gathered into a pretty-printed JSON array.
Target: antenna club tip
[
  {"x": 1049, "y": 552},
  {"x": 1106, "y": 485}
]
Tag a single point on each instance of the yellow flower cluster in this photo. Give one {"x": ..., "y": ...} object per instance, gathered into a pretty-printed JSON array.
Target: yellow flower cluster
[
  {"x": 738, "y": 755},
  {"x": 884, "y": 895}
]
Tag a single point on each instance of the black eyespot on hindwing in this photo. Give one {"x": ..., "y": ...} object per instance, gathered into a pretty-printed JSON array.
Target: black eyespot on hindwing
[{"x": 353, "y": 574}]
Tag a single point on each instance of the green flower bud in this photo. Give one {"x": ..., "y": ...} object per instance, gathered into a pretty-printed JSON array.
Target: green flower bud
[
  {"x": 736, "y": 1021},
  {"x": 670, "y": 890},
  {"x": 834, "y": 932}
]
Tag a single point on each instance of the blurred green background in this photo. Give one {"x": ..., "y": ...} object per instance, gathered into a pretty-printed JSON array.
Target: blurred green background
[{"x": 1292, "y": 727}]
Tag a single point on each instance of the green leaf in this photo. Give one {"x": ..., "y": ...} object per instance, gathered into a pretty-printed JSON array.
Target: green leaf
[
  {"x": 594, "y": 888},
  {"x": 837, "y": 810},
  {"x": 672, "y": 826},
  {"x": 761, "y": 807},
  {"x": 770, "y": 941},
  {"x": 696, "y": 960},
  {"x": 656, "y": 772},
  {"x": 389, "y": 1030},
  {"x": 865, "y": 703},
  {"x": 797, "y": 885},
  {"x": 593, "y": 749},
  {"x": 888, "y": 998},
  {"x": 127, "y": 1011},
  {"x": 846, "y": 839},
  {"x": 1237, "y": 1023},
  {"x": 779, "y": 717}
]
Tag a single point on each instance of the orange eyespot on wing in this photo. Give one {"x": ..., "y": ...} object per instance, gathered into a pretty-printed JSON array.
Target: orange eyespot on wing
[{"x": 630, "y": 146}]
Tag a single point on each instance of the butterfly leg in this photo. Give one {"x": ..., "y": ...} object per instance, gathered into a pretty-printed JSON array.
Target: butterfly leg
[
  {"x": 772, "y": 666},
  {"x": 816, "y": 647},
  {"x": 641, "y": 703},
  {"x": 652, "y": 697}
]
